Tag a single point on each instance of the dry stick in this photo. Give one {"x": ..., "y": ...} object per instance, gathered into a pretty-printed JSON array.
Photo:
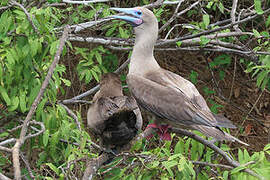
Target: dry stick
[
  {"x": 211, "y": 164},
  {"x": 177, "y": 15},
  {"x": 27, "y": 166},
  {"x": 96, "y": 88},
  {"x": 215, "y": 148},
  {"x": 234, "y": 6},
  {"x": 173, "y": 16},
  {"x": 71, "y": 113},
  {"x": 20, "y": 141},
  {"x": 27, "y": 15},
  {"x": 84, "y": 2},
  {"x": 213, "y": 30}
]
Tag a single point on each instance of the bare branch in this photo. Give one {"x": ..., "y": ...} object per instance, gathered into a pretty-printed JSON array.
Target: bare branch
[
  {"x": 20, "y": 141},
  {"x": 211, "y": 164},
  {"x": 2, "y": 148},
  {"x": 84, "y": 2},
  {"x": 69, "y": 111},
  {"x": 172, "y": 41},
  {"x": 27, "y": 166},
  {"x": 3, "y": 177},
  {"x": 173, "y": 16}
]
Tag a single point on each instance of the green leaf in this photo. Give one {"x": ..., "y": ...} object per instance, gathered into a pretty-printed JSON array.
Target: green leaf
[
  {"x": 267, "y": 22},
  {"x": 15, "y": 103},
  {"x": 53, "y": 167},
  {"x": 5, "y": 96},
  {"x": 260, "y": 77},
  {"x": 178, "y": 43},
  {"x": 258, "y": 6},
  {"x": 168, "y": 165},
  {"x": 23, "y": 101},
  {"x": 98, "y": 57},
  {"x": 193, "y": 77},
  {"x": 46, "y": 137},
  {"x": 206, "y": 20},
  {"x": 204, "y": 40},
  {"x": 267, "y": 147},
  {"x": 179, "y": 147},
  {"x": 256, "y": 33},
  {"x": 221, "y": 7},
  {"x": 225, "y": 175}
]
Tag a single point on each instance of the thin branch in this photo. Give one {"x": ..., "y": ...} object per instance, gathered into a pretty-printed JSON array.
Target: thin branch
[
  {"x": 71, "y": 113},
  {"x": 2, "y": 148},
  {"x": 214, "y": 30},
  {"x": 27, "y": 166},
  {"x": 84, "y": 2},
  {"x": 3, "y": 177},
  {"x": 20, "y": 141},
  {"x": 234, "y": 6},
  {"x": 211, "y": 164},
  {"x": 27, "y": 15},
  {"x": 174, "y": 16}
]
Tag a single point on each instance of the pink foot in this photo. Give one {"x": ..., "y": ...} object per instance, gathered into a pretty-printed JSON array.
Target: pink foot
[{"x": 162, "y": 131}]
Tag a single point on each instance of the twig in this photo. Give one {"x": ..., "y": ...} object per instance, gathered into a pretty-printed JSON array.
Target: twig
[
  {"x": 234, "y": 6},
  {"x": 27, "y": 15},
  {"x": 5, "y": 149},
  {"x": 174, "y": 16},
  {"x": 211, "y": 164},
  {"x": 84, "y": 2},
  {"x": 71, "y": 113},
  {"x": 5, "y": 7},
  {"x": 78, "y": 102},
  {"x": 3, "y": 177},
  {"x": 214, "y": 30},
  {"x": 27, "y": 166},
  {"x": 20, "y": 141}
]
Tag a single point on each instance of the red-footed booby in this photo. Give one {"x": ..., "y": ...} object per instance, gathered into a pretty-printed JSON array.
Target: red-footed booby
[
  {"x": 113, "y": 117},
  {"x": 164, "y": 93}
]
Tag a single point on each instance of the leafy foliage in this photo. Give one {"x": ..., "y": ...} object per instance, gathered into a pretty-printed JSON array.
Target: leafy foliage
[{"x": 25, "y": 57}]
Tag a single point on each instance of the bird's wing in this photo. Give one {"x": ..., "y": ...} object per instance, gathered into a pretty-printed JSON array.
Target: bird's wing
[{"x": 167, "y": 102}]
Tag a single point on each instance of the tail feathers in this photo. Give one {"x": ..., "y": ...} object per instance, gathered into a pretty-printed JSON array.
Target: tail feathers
[
  {"x": 218, "y": 134},
  {"x": 223, "y": 122}
]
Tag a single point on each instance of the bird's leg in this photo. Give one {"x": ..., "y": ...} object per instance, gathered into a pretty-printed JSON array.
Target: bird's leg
[{"x": 162, "y": 131}]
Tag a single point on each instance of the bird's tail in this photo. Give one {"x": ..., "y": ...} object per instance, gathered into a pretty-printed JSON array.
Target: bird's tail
[
  {"x": 217, "y": 134},
  {"x": 223, "y": 121}
]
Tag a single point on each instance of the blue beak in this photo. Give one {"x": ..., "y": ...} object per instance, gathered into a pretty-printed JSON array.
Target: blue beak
[{"x": 134, "y": 19}]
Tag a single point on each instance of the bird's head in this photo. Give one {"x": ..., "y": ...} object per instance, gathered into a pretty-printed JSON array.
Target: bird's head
[{"x": 141, "y": 18}]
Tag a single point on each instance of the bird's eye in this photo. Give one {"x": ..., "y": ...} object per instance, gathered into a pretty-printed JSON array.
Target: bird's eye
[{"x": 139, "y": 12}]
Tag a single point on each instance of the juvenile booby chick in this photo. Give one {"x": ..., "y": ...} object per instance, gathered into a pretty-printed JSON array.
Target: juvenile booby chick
[{"x": 113, "y": 117}]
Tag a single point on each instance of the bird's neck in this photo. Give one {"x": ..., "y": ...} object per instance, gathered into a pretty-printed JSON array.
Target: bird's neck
[{"x": 142, "y": 58}]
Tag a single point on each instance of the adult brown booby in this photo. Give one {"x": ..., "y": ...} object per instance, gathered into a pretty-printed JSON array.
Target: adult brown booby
[
  {"x": 113, "y": 117},
  {"x": 164, "y": 93}
]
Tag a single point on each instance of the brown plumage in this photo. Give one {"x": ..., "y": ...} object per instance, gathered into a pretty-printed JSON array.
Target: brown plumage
[
  {"x": 164, "y": 93},
  {"x": 113, "y": 117}
]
